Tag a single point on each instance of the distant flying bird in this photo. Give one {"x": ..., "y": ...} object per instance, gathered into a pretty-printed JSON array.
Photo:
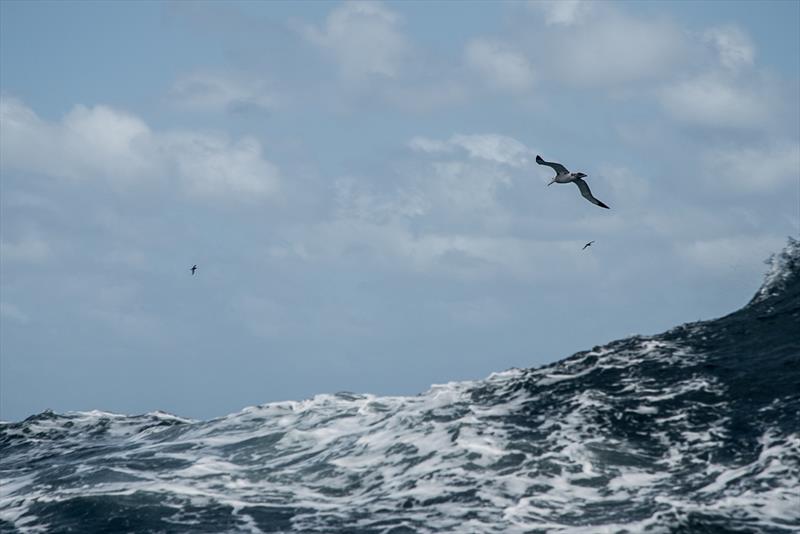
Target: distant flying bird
[
  {"x": 193, "y": 269},
  {"x": 589, "y": 244},
  {"x": 563, "y": 176}
]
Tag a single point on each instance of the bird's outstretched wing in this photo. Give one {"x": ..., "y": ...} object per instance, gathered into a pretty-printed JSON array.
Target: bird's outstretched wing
[
  {"x": 587, "y": 194},
  {"x": 559, "y": 168}
]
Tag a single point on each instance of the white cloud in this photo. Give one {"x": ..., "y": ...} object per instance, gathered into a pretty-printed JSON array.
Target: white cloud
[
  {"x": 753, "y": 169},
  {"x": 451, "y": 190},
  {"x": 428, "y": 222},
  {"x": 733, "y": 45},
  {"x": 447, "y": 191},
  {"x": 119, "y": 142},
  {"x": 444, "y": 217},
  {"x": 493, "y": 147},
  {"x": 215, "y": 92},
  {"x": 355, "y": 201},
  {"x": 463, "y": 188},
  {"x": 377, "y": 62},
  {"x": 489, "y": 147},
  {"x": 104, "y": 143},
  {"x": 424, "y": 144},
  {"x": 30, "y": 248},
  {"x": 715, "y": 101},
  {"x": 562, "y": 12},
  {"x": 87, "y": 142},
  {"x": 499, "y": 65},
  {"x": 212, "y": 165},
  {"x": 364, "y": 38},
  {"x": 614, "y": 49}
]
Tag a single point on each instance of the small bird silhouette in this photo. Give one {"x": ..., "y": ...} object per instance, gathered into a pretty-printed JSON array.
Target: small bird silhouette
[
  {"x": 193, "y": 269},
  {"x": 589, "y": 244}
]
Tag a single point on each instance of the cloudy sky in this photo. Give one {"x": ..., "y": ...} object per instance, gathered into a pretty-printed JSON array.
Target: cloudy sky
[{"x": 356, "y": 182}]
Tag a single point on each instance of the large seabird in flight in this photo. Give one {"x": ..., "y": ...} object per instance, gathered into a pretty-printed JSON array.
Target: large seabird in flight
[{"x": 563, "y": 176}]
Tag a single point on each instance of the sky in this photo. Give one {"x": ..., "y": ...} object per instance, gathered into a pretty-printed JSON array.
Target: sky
[{"x": 357, "y": 186}]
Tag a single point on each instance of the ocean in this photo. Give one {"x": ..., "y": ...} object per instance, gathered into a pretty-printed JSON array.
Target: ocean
[{"x": 696, "y": 429}]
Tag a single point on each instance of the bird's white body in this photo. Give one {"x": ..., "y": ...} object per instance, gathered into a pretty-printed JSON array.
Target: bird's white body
[{"x": 566, "y": 178}]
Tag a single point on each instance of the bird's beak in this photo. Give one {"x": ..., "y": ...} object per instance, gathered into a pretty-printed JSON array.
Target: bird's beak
[{"x": 551, "y": 182}]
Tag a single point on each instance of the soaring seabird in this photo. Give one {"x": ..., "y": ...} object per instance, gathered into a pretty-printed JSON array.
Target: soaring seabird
[
  {"x": 589, "y": 244},
  {"x": 193, "y": 269},
  {"x": 563, "y": 176}
]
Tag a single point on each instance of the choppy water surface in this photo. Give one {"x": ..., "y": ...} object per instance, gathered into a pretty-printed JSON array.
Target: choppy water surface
[{"x": 693, "y": 430}]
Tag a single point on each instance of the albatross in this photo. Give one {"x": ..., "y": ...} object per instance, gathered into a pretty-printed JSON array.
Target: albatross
[{"x": 563, "y": 176}]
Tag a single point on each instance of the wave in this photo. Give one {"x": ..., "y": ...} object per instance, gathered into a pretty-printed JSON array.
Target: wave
[{"x": 693, "y": 430}]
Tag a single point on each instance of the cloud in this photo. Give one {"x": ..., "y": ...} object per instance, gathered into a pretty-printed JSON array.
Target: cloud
[
  {"x": 217, "y": 93},
  {"x": 354, "y": 201},
  {"x": 439, "y": 216},
  {"x": 614, "y": 50},
  {"x": 489, "y": 147},
  {"x": 210, "y": 165},
  {"x": 87, "y": 142},
  {"x": 445, "y": 215},
  {"x": 725, "y": 90},
  {"x": 442, "y": 192},
  {"x": 107, "y": 144},
  {"x": 499, "y": 65},
  {"x": 713, "y": 100},
  {"x": 733, "y": 45},
  {"x": 753, "y": 169},
  {"x": 462, "y": 189},
  {"x": 562, "y": 12},
  {"x": 378, "y": 63},
  {"x": 363, "y": 38},
  {"x": 425, "y": 144}
]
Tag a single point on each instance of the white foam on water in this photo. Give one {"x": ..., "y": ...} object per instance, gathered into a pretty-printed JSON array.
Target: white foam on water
[{"x": 523, "y": 449}]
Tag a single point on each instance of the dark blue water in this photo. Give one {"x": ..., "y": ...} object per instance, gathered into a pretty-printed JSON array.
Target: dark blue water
[{"x": 693, "y": 430}]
